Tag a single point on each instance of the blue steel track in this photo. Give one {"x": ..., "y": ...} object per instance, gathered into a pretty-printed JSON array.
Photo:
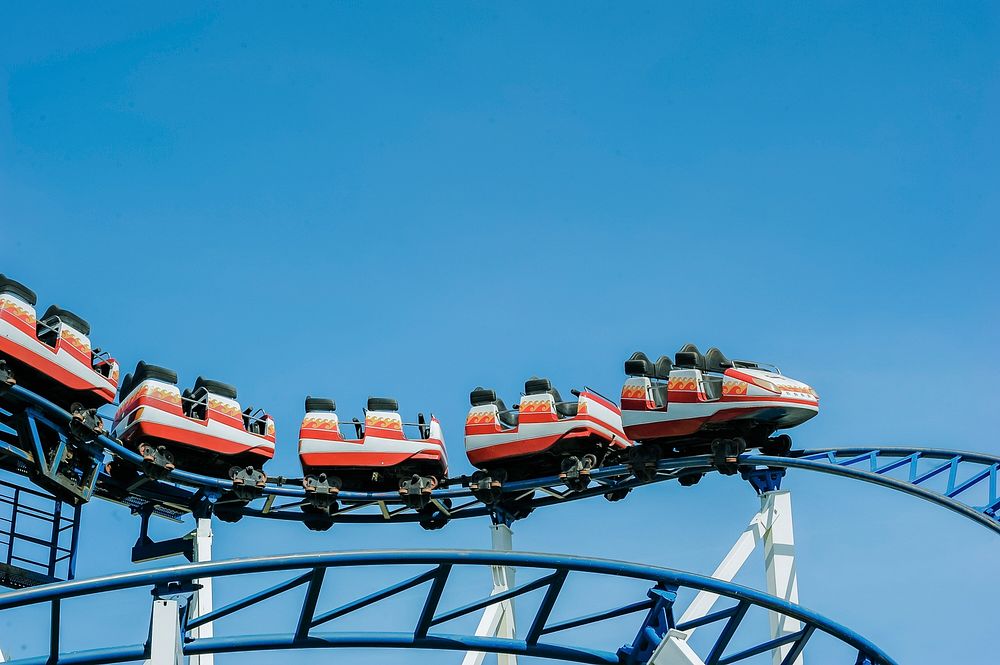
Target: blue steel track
[{"x": 308, "y": 570}]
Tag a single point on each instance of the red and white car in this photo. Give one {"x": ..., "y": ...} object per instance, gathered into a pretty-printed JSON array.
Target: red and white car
[
  {"x": 380, "y": 456},
  {"x": 543, "y": 434},
  {"x": 52, "y": 355},
  {"x": 202, "y": 430},
  {"x": 698, "y": 399}
]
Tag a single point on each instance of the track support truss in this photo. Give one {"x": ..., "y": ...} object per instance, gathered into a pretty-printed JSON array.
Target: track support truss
[{"x": 549, "y": 625}]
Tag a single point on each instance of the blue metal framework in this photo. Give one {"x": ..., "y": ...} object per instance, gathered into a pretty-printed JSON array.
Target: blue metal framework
[
  {"x": 38, "y": 537},
  {"x": 429, "y": 631},
  {"x": 47, "y": 449},
  {"x": 944, "y": 477},
  {"x": 180, "y": 492}
]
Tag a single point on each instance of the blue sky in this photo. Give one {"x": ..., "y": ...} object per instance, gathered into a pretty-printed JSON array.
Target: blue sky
[{"x": 413, "y": 199}]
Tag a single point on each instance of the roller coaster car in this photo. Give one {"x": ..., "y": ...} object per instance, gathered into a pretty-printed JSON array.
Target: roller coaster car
[
  {"x": 52, "y": 356},
  {"x": 543, "y": 435},
  {"x": 202, "y": 430},
  {"x": 702, "y": 403},
  {"x": 381, "y": 458}
]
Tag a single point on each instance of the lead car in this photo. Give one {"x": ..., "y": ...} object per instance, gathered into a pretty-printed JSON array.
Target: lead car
[{"x": 708, "y": 403}]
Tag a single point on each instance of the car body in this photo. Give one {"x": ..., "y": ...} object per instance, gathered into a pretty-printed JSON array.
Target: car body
[
  {"x": 381, "y": 454},
  {"x": 52, "y": 355},
  {"x": 203, "y": 429},
  {"x": 697, "y": 399},
  {"x": 542, "y": 430}
]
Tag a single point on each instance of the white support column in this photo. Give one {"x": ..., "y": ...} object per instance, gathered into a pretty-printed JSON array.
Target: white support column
[
  {"x": 727, "y": 570},
  {"x": 201, "y": 603},
  {"x": 497, "y": 620},
  {"x": 772, "y": 528},
  {"x": 779, "y": 563},
  {"x": 674, "y": 650},
  {"x": 165, "y": 634}
]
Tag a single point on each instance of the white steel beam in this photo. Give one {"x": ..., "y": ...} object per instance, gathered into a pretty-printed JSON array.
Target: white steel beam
[
  {"x": 201, "y": 603},
  {"x": 165, "y": 634},
  {"x": 674, "y": 650},
  {"x": 779, "y": 563},
  {"x": 498, "y": 619},
  {"x": 770, "y": 527},
  {"x": 727, "y": 570}
]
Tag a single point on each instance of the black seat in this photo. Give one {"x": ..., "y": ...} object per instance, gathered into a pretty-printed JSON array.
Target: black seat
[
  {"x": 567, "y": 409},
  {"x": 54, "y": 314},
  {"x": 716, "y": 361},
  {"x": 13, "y": 287},
  {"x": 689, "y": 356},
  {"x": 639, "y": 365},
  {"x": 662, "y": 368},
  {"x": 382, "y": 404},
  {"x": 124, "y": 387},
  {"x": 539, "y": 386},
  {"x": 507, "y": 416},
  {"x": 483, "y": 396},
  {"x": 320, "y": 404},
  {"x": 144, "y": 371},
  {"x": 215, "y": 387}
]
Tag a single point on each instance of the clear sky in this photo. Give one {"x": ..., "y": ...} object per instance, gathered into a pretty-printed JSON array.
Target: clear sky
[{"x": 412, "y": 199}]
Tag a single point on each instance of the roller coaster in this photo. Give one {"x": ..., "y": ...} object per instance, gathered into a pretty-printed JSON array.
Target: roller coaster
[{"x": 72, "y": 456}]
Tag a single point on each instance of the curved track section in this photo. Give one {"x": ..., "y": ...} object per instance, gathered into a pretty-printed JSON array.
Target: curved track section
[
  {"x": 313, "y": 626},
  {"x": 963, "y": 482}
]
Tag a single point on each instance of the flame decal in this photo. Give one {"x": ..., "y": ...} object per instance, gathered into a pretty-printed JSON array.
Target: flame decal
[
  {"x": 536, "y": 406},
  {"x": 81, "y": 344},
  {"x": 686, "y": 383},
  {"x": 225, "y": 408},
  {"x": 633, "y": 392},
  {"x": 384, "y": 423},
  {"x": 26, "y": 316},
  {"x": 320, "y": 423},
  {"x": 480, "y": 418},
  {"x": 734, "y": 387}
]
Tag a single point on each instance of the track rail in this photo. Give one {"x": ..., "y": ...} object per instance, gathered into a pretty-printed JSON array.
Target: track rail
[
  {"x": 552, "y": 575},
  {"x": 952, "y": 479}
]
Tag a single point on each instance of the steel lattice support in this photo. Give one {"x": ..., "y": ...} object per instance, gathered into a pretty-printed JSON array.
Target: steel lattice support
[{"x": 315, "y": 624}]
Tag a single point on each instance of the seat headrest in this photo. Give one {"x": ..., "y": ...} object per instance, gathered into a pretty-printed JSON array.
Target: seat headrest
[
  {"x": 144, "y": 371},
  {"x": 537, "y": 386},
  {"x": 482, "y": 396},
  {"x": 689, "y": 359},
  {"x": 715, "y": 361},
  {"x": 125, "y": 385},
  {"x": 8, "y": 285},
  {"x": 216, "y": 387},
  {"x": 67, "y": 317},
  {"x": 382, "y": 404},
  {"x": 663, "y": 367},
  {"x": 639, "y": 365},
  {"x": 320, "y": 404}
]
